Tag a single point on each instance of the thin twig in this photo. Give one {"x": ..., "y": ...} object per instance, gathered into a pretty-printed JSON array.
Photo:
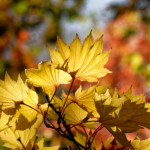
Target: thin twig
[{"x": 68, "y": 95}]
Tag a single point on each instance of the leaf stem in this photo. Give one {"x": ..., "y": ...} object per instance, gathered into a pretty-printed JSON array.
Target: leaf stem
[
  {"x": 19, "y": 139},
  {"x": 49, "y": 105},
  {"x": 91, "y": 139},
  {"x": 73, "y": 79},
  {"x": 33, "y": 109},
  {"x": 63, "y": 133},
  {"x": 62, "y": 112}
]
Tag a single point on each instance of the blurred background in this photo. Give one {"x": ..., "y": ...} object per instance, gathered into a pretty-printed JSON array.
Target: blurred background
[{"x": 27, "y": 27}]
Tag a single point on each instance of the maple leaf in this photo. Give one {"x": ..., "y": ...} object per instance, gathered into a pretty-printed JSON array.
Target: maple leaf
[
  {"x": 77, "y": 114},
  {"x": 39, "y": 145},
  {"x": 84, "y": 62},
  {"x": 84, "y": 98},
  {"x": 50, "y": 114},
  {"x": 29, "y": 112},
  {"x": 117, "y": 115},
  {"x": 11, "y": 96},
  {"x": 82, "y": 139},
  {"x": 11, "y": 92},
  {"x": 141, "y": 145},
  {"x": 4, "y": 118},
  {"x": 18, "y": 140},
  {"x": 30, "y": 108},
  {"x": 51, "y": 148},
  {"x": 47, "y": 77}
]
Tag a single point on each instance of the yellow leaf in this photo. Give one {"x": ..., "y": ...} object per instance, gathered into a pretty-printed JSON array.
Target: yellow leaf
[
  {"x": 22, "y": 121},
  {"x": 51, "y": 148},
  {"x": 18, "y": 140},
  {"x": 56, "y": 57},
  {"x": 30, "y": 108},
  {"x": 85, "y": 99},
  {"x": 120, "y": 137},
  {"x": 77, "y": 114},
  {"x": 50, "y": 114},
  {"x": 94, "y": 69},
  {"x": 84, "y": 62},
  {"x": 141, "y": 145},
  {"x": 117, "y": 115},
  {"x": 63, "y": 49},
  {"x": 59, "y": 57},
  {"x": 47, "y": 77},
  {"x": 39, "y": 144},
  {"x": 75, "y": 50},
  {"x": 82, "y": 139},
  {"x": 6, "y": 115},
  {"x": 11, "y": 92},
  {"x": 3, "y": 120}
]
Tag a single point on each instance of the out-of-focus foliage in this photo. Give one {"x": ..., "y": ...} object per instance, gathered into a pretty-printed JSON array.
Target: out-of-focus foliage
[
  {"x": 129, "y": 61},
  {"x": 19, "y": 19},
  {"x": 143, "y": 6}
]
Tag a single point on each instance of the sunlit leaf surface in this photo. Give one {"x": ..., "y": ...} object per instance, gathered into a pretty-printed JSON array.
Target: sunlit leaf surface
[
  {"x": 85, "y": 62},
  {"x": 47, "y": 77},
  {"x": 11, "y": 92}
]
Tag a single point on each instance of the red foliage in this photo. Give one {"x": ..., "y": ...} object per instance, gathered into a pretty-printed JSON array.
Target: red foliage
[{"x": 127, "y": 35}]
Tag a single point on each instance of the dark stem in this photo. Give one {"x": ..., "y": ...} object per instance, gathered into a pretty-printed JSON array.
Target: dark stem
[
  {"x": 34, "y": 109},
  {"x": 68, "y": 94},
  {"x": 91, "y": 139},
  {"x": 49, "y": 105},
  {"x": 86, "y": 136},
  {"x": 21, "y": 143},
  {"x": 69, "y": 135},
  {"x": 62, "y": 112}
]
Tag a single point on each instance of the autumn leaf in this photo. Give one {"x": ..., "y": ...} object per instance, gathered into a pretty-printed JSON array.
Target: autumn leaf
[
  {"x": 50, "y": 114},
  {"x": 85, "y": 99},
  {"x": 47, "y": 77},
  {"x": 51, "y": 148},
  {"x": 82, "y": 139},
  {"x": 84, "y": 62},
  {"x": 4, "y": 118},
  {"x": 141, "y": 144},
  {"x": 39, "y": 145},
  {"x": 29, "y": 113},
  {"x": 77, "y": 114},
  {"x": 118, "y": 117},
  {"x": 30, "y": 108},
  {"x": 61, "y": 56},
  {"x": 18, "y": 140},
  {"x": 11, "y": 92}
]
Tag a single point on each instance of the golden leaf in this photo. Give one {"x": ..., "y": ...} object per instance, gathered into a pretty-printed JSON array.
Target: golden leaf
[
  {"x": 47, "y": 77},
  {"x": 84, "y": 62},
  {"x": 11, "y": 92}
]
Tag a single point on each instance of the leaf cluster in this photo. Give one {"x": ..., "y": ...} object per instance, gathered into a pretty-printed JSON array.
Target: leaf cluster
[{"x": 77, "y": 114}]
